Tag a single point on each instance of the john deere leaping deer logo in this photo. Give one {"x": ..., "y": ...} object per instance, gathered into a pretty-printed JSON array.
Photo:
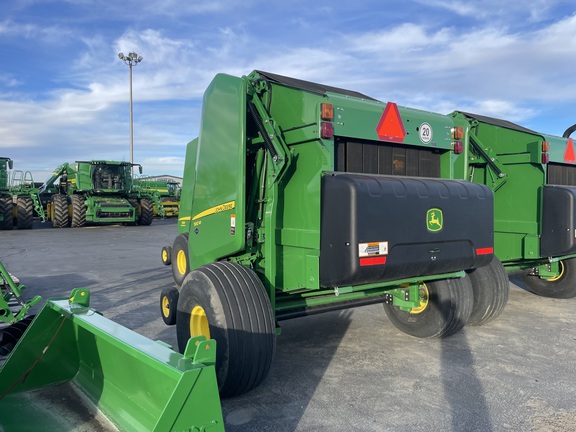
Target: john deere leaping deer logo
[{"x": 434, "y": 219}]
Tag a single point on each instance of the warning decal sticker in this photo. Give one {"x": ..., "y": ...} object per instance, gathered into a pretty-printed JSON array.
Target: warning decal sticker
[{"x": 372, "y": 249}]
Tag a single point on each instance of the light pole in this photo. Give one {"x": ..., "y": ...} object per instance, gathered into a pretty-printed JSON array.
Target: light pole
[{"x": 132, "y": 59}]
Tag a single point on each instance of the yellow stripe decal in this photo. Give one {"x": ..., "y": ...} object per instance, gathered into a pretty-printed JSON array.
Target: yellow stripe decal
[
  {"x": 187, "y": 218},
  {"x": 216, "y": 209}
]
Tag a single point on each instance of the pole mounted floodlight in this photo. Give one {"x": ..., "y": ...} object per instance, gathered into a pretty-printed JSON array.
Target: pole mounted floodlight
[{"x": 132, "y": 59}]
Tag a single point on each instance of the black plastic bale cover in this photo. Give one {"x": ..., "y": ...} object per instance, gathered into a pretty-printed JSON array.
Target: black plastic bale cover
[
  {"x": 558, "y": 221},
  {"x": 377, "y": 228}
]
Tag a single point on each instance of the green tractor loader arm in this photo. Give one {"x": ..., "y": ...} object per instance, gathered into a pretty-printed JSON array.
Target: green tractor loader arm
[{"x": 75, "y": 368}]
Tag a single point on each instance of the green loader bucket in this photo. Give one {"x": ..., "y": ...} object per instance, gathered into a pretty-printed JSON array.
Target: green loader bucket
[{"x": 74, "y": 369}]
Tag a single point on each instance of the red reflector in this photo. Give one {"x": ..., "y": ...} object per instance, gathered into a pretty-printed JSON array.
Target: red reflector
[
  {"x": 569, "y": 152},
  {"x": 545, "y": 158},
  {"x": 458, "y": 147},
  {"x": 390, "y": 126},
  {"x": 326, "y": 130},
  {"x": 372, "y": 261},
  {"x": 484, "y": 251}
]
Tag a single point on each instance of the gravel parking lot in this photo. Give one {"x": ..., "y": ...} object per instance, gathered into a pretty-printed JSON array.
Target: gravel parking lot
[{"x": 340, "y": 371}]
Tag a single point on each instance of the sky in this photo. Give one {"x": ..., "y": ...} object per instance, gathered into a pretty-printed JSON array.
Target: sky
[{"x": 64, "y": 93}]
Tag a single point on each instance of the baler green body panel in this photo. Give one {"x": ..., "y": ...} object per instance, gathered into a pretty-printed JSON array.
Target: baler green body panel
[
  {"x": 511, "y": 160},
  {"x": 137, "y": 384},
  {"x": 218, "y": 207}
]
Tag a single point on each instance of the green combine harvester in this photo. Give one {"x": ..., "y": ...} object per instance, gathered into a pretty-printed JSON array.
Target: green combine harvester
[
  {"x": 300, "y": 198},
  {"x": 19, "y": 198},
  {"x": 165, "y": 193},
  {"x": 96, "y": 192},
  {"x": 71, "y": 369}
]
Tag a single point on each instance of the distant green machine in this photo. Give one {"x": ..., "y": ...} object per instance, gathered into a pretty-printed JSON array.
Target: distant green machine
[
  {"x": 165, "y": 193},
  {"x": 19, "y": 198},
  {"x": 96, "y": 192},
  {"x": 300, "y": 198}
]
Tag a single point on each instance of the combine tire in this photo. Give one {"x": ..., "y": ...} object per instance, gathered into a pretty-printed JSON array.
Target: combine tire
[
  {"x": 227, "y": 302},
  {"x": 60, "y": 205},
  {"x": 490, "y": 285},
  {"x": 445, "y": 308},
  {"x": 167, "y": 255},
  {"x": 180, "y": 263},
  {"x": 6, "y": 210},
  {"x": 78, "y": 211},
  {"x": 25, "y": 213},
  {"x": 562, "y": 286},
  {"x": 146, "y": 211},
  {"x": 168, "y": 303}
]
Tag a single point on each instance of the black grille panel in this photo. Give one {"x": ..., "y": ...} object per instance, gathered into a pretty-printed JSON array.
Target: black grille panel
[
  {"x": 367, "y": 157},
  {"x": 561, "y": 175}
]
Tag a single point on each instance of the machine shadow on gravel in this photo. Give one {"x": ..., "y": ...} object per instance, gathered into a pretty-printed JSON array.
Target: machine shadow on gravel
[{"x": 303, "y": 355}]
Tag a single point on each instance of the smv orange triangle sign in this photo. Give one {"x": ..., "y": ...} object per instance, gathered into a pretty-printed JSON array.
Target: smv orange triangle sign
[
  {"x": 390, "y": 127},
  {"x": 569, "y": 152}
]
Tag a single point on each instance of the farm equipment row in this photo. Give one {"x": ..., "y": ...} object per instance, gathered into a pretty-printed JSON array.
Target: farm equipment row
[{"x": 79, "y": 193}]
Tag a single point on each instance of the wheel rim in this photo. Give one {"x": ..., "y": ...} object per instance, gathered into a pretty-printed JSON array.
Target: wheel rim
[
  {"x": 555, "y": 278},
  {"x": 164, "y": 255},
  {"x": 165, "y": 306},
  {"x": 424, "y": 298},
  {"x": 181, "y": 262},
  {"x": 199, "y": 323}
]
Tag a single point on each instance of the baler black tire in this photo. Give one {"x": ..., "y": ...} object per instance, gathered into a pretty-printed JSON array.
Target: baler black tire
[
  {"x": 180, "y": 259},
  {"x": 168, "y": 304},
  {"x": 25, "y": 212},
  {"x": 448, "y": 308},
  {"x": 166, "y": 255},
  {"x": 234, "y": 302},
  {"x": 61, "y": 217},
  {"x": 7, "y": 211},
  {"x": 491, "y": 287},
  {"x": 78, "y": 211},
  {"x": 562, "y": 287},
  {"x": 146, "y": 211}
]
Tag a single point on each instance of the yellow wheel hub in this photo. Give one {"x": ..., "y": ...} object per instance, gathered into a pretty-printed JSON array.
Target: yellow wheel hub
[
  {"x": 555, "y": 278},
  {"x": 164, "y": 256},
  {"x": 199, "y": 323},
  {"x": 165, "y": 306},
  {"x": 181, "y": 262},
  {"x": 424, "y": 297}
]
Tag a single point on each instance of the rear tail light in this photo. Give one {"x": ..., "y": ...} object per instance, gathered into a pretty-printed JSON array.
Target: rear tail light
[
  {"x": 326, "y": 130},
  {"x": 326, "y": 111},
  {"x": 457, "y": 133},
  {"x": 458, "y": 147},
  {"x": 545, "y": 150}
]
